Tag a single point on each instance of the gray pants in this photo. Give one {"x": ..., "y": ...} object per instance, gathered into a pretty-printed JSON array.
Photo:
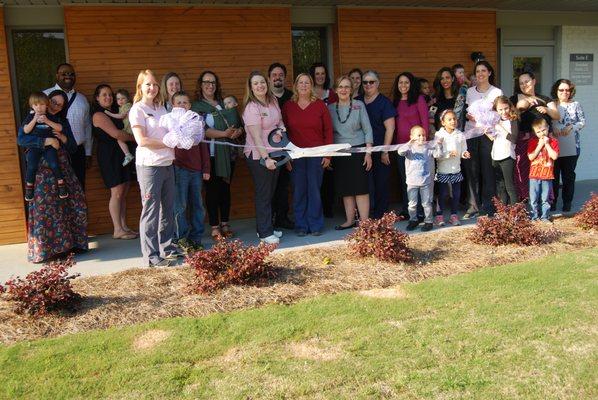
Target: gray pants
[
  {"x": 156, "y": 225},
  {"x": 264, "y": 181},
  {"x": 426, "y": 193}
]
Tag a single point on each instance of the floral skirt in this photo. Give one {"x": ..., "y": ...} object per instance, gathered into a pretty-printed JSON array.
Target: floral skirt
[{"x": 56, "y": 226}]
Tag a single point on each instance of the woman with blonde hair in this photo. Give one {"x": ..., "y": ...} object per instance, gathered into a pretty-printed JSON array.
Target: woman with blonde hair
[
  {"x": 154, "y": 173},
  {"x": 261, "y": 116},
  {"x": 308, "y": 122}
]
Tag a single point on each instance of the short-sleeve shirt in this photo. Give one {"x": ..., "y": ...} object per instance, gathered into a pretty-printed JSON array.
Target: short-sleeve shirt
[
  {"x": 542, "y": 167},
  {"x": 124, "y": 109},
  {"x": 266, "y": 117},
  {"x": 379, "y": 110},
  {"x": 147, "y": 117}
]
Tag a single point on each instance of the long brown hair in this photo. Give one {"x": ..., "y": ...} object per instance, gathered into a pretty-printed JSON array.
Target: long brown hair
[
  {"x": 164, "y": 89},
  {"x": 250, "y": 97},
  {"x": 513, "y": 114}
]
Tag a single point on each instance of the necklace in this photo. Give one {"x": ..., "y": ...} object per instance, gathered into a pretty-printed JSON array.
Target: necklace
[{"x": 348, "y": 115}]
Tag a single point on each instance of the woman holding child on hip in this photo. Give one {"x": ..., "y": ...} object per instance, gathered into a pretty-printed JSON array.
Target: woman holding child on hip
[
  {"x": 108, "y": 129},
  {"x": 222, "y": 125}
]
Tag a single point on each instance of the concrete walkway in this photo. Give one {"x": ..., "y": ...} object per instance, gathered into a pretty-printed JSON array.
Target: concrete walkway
[{"x": 107, "y": 255}]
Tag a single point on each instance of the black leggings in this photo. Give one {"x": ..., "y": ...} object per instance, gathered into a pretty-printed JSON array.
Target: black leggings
[
  {"x": 218, "y": 196},
  {"x": 565, "y": 167},
  {"x": 443, "y": 193},
  {"x": 505, "y": 186}
]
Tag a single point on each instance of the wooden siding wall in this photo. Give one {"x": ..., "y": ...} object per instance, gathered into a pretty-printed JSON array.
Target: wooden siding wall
[
  {"x": 12, "y": 207},
  {"x": 112, "y": 44},
  {"x": 391, "y": 41}
]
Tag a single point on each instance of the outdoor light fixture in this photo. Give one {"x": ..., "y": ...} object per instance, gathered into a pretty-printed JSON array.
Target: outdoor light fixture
[{"x": 477, "y": 56}]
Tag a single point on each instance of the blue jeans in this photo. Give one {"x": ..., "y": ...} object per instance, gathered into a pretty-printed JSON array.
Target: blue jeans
[
  {"x": 188, "y": 190},
  {"x": 307, "y": 176},
  {"x": 33, "y": 157},
  {"x": 540, "y": 189}
]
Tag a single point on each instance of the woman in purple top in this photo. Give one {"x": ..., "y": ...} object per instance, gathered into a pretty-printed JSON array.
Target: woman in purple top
[{"x": 412, "y": 109}]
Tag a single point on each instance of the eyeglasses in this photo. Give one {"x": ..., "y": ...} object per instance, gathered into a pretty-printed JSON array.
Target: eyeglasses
[
  {"x": 368, "y": 82},
  {"x": 67, "y": 74},
  {"x": 564, "y": 90},
  {"x": 209, "y": 82}
]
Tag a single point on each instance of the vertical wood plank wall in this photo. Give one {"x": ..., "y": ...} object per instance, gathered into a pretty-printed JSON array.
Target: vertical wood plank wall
[
  {"x": 391, "y": 41},
  {"x": 12, "y": 208},
  {"x": 112, "y": 44}
]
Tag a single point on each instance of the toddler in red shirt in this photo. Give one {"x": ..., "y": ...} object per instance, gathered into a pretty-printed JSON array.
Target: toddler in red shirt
[{"x": 542, "y": 151}]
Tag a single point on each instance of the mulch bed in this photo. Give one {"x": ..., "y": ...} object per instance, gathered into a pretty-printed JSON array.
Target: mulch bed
[{"x": 142, "y": 295}]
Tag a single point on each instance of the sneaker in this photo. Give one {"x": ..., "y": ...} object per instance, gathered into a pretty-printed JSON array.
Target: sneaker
[
  {"x": 62, "y": 192},
  {"x": 162, "y": 263},
  {"x": 427, "y": 227},
  {"x": 185, "y": 244},
  {"x": 439, "y": 220},
  {"x": 553, "y": 206},
  {"x": 128, "y": 158},
  {"x": 454, "y": 221},
  {"x": 29, "y": 192},
  {"x": 566, "y": 207},
  {"x": 412, "y": 225},
  {"x": 301, "y": 233},
  {"x": 470, "y": 214},
  {"x": 278, "y": 234},
  {"x": 316, "y": 233},
  {"x": 173, "y": 255},
  {"x": 272, "y": 239}
]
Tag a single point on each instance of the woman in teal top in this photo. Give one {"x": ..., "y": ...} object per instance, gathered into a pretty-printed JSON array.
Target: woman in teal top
[{"x": 351, "y": 125}]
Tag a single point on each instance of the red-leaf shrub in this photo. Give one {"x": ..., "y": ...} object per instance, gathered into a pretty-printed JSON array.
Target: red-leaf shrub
[
  {"x": 587, "y": 218},
  {"x": 46, "y": 290},
  {"x": 510, "y": 224},
  {"x": 229, "y": 263},
  {"x": 380, "y": 238}
]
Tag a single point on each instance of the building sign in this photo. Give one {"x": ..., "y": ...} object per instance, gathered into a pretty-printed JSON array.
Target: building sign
[{"x": 581, "y": 69}]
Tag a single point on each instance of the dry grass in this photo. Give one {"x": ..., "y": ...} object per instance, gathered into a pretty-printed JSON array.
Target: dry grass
[
  {"x": 151, "y": 339},
  {"x": 315, "y": 349},
  {"x": 142, "y": 295}
]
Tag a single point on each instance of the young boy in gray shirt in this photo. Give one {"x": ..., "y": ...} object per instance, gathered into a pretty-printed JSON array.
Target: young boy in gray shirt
[{"x": 419, "y": 168}]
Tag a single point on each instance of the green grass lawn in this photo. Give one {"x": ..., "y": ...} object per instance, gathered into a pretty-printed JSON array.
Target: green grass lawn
[{"x": 519, "y": 331}]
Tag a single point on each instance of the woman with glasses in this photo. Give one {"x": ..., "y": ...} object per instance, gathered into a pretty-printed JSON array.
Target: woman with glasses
[
  {"x": 531, "y": 105},
  {"x": 222, "y": 158},
  {"x": 55, "y": 226},
  {"x": 382, "y": 119},
  {"x": 352, "y": 126},
  {"x": 566, "y": 129}
]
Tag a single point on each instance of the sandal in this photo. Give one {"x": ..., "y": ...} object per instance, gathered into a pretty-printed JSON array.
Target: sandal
[
  {"x": 125, "y": 236},
  {"x": 216, "y": 234},
  {"x": 226, "y": 231}
]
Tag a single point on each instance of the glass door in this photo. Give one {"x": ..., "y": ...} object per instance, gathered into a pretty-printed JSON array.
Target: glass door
[
  {"x": 35, "y": 54},
  {"x": 309, "y": 46},
  {"x": 518, "y": 59}
]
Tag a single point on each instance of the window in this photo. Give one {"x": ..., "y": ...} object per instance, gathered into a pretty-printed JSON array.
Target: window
[
  {"x": 36, "y": 54},
  {"x": 309, "y": 46}
]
